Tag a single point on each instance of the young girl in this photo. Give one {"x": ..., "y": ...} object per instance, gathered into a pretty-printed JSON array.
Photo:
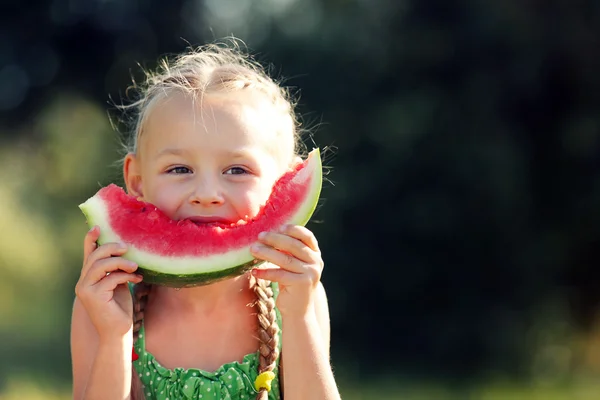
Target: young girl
[{"x": 213, "y": 134}]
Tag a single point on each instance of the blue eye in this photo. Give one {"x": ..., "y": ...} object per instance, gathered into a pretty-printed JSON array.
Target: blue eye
[
  {"x": 236, "y": 171},
  {"x": 179, "y": 170}
]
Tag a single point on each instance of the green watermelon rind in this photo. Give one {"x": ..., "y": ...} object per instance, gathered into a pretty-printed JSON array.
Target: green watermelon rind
[
  {"x": 190, "y": 280},
  {"x": 195, "y": 271}
]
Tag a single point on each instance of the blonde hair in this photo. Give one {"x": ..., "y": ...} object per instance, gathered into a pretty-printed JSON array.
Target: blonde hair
[{"x": 220, "y": 68}]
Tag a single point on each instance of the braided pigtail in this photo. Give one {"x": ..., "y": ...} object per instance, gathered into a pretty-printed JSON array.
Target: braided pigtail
[
  {"x": 268, "y": 330},
  {"x": 140, "y": 299}
]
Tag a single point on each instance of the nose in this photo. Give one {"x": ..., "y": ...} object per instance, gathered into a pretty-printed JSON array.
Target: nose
[{"x": 206, "y": 193}]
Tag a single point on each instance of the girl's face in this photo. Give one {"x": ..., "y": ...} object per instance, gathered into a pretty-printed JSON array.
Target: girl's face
[{"x": 211, "y": 160}]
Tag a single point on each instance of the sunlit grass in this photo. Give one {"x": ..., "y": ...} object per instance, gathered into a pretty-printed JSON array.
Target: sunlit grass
[
  {"x": 387, "y": 390},
  {"x": 589, "y": 391},
  {"x": 26, "y": 388},
  {"x": 392, "y": 391}
]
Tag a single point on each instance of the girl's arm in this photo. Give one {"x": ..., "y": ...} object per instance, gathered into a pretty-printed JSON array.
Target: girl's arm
[
  {"x": 297, "y": 267},
  {"x": 305, "y": 352},
  {"x": 102, "y": 322},
  {"x": 101, "y": 370}
]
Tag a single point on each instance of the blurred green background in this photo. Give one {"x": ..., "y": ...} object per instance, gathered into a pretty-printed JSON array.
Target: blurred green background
[{"x": 460, "y": 223}]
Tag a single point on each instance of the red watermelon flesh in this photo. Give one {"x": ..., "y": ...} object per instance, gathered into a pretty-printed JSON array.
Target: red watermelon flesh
[{"x": 185, "y": 253}]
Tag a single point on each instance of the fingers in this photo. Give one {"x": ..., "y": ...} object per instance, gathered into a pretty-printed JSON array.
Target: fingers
[
  {"x": 295, "y": 242},
  {"x": 105, "y": 251},
  {"x": 295, "y": 250},
  {"x": 89, "y": 242},
  {"x": 110, "y": 282},
  {"x": 101, "y": 268},
  {"x": 284, "y": 251},
  {"x": 301, "y": 233},
  {"x": 86, "y": 288},
  {"x": 278, "y": 257},
  {"x": 103, "y": 273},
  {"x": 280, "y": 275},
  {"x": 103, "y": 261}
]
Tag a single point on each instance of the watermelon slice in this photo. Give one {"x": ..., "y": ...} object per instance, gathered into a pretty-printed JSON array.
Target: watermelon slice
[{"x": 181, "y": 253}]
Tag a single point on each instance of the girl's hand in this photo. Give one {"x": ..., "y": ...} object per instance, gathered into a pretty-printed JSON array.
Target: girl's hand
[
  {"x": 102, "y": 287},
  {"x": 294, "y": 249}
]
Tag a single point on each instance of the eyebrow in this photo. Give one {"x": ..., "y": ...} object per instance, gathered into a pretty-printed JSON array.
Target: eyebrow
[
  {"x": 171, "y": 151},
  {"x": 237, "y": 153},
  {"x": 241, "y": 153}
]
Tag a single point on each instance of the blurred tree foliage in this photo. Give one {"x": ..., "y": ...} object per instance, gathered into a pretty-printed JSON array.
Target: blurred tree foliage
[{"x": 460, "y": 227}]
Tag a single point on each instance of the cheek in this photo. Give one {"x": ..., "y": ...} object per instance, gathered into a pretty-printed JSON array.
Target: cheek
[
  {"x": 165, "y": 198},
  {"x": 251, "y": 201}
]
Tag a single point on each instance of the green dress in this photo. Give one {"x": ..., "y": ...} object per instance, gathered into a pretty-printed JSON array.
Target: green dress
[{"x": 231, "y": 381}]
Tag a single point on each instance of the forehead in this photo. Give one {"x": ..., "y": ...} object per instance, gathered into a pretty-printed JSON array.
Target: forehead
[{"x": 215, "y": 122}]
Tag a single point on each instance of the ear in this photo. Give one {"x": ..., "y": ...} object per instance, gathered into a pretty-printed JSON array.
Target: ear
[{"x": 132, "y": 175}]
